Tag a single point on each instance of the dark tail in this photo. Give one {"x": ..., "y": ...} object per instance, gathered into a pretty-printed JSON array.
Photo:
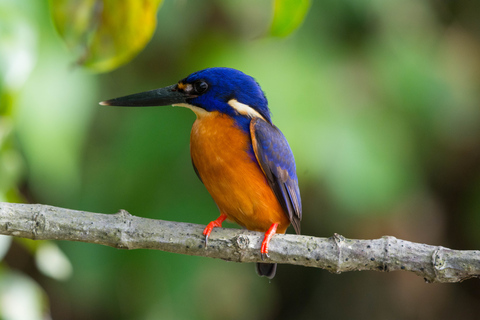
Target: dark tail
[{"x": 266, "y": 269}]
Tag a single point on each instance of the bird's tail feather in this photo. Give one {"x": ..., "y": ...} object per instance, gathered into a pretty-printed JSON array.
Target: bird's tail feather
[{"x": 266, "y": 269}]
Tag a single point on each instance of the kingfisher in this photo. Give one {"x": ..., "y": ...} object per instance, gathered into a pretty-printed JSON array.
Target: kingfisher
[{"x": 240, "y": 156}]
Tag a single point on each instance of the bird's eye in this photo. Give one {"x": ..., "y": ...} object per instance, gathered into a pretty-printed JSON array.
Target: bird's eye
[{"x": 200, "y": 87}]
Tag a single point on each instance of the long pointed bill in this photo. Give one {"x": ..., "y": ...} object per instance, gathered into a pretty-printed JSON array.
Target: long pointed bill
[{"x": 158, "y": 97}]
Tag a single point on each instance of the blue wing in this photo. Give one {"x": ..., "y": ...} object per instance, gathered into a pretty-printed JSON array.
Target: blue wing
[{"x": 276, "y": 160}]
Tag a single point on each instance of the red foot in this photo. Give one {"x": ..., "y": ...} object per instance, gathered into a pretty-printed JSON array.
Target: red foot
[
  {"x": 213, "y": 224},
  {"x": 268, "y": 236}
]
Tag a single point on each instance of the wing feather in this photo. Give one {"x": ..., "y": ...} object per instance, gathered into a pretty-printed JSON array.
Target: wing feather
[{"x": 278, "y": 164}]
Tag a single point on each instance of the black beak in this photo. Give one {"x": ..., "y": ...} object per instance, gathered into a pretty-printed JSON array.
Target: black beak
[{"x": 158, "y": 97}]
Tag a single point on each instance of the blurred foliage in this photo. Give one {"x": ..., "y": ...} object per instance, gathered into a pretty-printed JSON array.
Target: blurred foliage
[
  {"x": 21, "y": 297},
  {"x": 105, "y": 34},
  {"x": 287, "y": 16},
  {"x": 379, "y": 101}
]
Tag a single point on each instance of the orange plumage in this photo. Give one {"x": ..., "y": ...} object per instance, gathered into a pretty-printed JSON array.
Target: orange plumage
[{"x": 219, "y": 151}]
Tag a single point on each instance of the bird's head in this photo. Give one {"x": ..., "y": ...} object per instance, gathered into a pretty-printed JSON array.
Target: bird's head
[{"x": 225, "y": 90}]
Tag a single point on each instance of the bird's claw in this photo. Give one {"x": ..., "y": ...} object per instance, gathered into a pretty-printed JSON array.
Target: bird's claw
[
  {"x": 264, "y": 254},
  {"x": 207, "y": 232},
  {"x": 206, "y": 240},
  {"x": 213, "y": 224},
  {"x": 268, "y": 236}
]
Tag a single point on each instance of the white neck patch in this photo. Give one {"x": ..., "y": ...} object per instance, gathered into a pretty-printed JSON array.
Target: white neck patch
[
  {"x": 244, "y": 109},
  {"x": 198, "y": 111}
]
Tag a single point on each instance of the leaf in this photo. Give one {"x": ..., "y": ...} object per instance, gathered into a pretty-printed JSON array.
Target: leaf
[
  {"x": 52, "y": 262},
  {"x": 21, "y": 297},
  {"x": 288, "y": 15},
  {"x": 5, "y": 242},
  {"x": 18, "y": 52},
  {"x": 105, "y": 34}
]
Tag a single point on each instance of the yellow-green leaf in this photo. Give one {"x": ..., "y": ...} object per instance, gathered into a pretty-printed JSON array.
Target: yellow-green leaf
[
  {"x": 105, "y": 34},
  {"x": 288, "y": 15}
]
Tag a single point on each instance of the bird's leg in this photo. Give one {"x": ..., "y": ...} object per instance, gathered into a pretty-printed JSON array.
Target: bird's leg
[
  {"x": 268, "y": 236},
  {"x": 213, "y": 224}
]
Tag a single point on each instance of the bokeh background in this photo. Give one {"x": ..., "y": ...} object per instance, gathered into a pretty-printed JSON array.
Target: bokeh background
[{"x": 378, "y": 99}]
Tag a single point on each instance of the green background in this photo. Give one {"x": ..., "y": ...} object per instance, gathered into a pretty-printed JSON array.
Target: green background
[{"x": 378, "y": 99}]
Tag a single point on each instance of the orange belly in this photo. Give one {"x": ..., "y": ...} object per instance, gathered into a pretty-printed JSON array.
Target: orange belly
[{"x": 236, "y": 183}]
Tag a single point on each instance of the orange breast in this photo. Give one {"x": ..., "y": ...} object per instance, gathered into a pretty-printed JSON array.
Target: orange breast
[{"x": 235, "y": 182}]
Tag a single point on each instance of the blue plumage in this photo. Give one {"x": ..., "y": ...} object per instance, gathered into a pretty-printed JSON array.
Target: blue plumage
[
  {"x": 226, "y": 84},
  {"x": 276, "y": 159}
]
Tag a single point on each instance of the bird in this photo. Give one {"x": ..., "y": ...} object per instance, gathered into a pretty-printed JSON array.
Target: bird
[{"x": 241, "y": 157}]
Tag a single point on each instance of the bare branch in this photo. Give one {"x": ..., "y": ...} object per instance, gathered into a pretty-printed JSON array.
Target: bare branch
[{"x": 335, "y": 254}]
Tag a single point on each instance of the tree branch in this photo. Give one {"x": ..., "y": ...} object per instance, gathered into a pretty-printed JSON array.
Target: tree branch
[{"x": 336, "y": 254}]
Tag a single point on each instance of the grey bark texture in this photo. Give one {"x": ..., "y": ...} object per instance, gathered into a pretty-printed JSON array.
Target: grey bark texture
[{"x": 336, "y": 254}]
